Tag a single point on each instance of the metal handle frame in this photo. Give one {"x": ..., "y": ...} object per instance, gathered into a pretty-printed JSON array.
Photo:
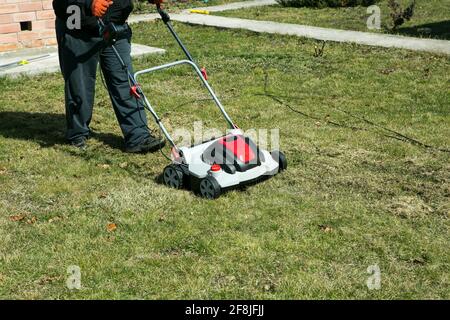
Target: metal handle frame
[{"x": 205, "y": 83}]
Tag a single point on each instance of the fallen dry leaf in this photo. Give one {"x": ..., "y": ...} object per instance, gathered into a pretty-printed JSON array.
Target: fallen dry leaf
[
  {"x": 3, "y": 171},
  {"x": 123, "y": 165},
  {"x": 32, "y": 220},
  {"x": 326, "y": 229},
  {"x": 103, "y": 195},
  {"x": 269, "y": 287},
  {"x": 48, "y": 279},
  {"x": 17, "y": 218},
  {"x": 104, "y": 166},
  {"x": 54, "y": 219},
  {"x": 419, "y": 261},
  {"x": 387, "y": 71},
  {"x": 111, "y": 227}
]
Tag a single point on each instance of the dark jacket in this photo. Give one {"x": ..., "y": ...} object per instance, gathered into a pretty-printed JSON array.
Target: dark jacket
[{"x": 117, "y": 13}]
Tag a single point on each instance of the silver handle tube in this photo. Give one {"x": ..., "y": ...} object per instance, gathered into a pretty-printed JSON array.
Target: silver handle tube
[
  {"x": 200, "y": 75},
  {"x": 205, "y": 83}
]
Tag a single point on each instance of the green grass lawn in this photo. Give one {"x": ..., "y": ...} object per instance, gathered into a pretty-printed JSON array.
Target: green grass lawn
[
  {"x": 431, "y": 18},
  {"x": 356, "y": 194}
]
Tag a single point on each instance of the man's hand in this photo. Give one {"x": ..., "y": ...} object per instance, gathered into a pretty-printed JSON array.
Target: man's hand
[{"x": 99, "y": 7}]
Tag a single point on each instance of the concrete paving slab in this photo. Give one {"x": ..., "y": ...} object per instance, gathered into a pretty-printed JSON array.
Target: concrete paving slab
[
  {"x": 365, "y": 38},
  {"x": 225, "y": 7},
  {"x": 47, "y": 60},
  {"x": 136, "y": 18},
  {"x": 236, "y": 5}
]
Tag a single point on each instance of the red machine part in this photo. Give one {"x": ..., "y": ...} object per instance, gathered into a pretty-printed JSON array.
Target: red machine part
[
  {"x": 134, "y": 91},
  {"x": 205, "y": 73},
  {"x": 175, "y": 155},
  {"x": 239, "y": 147}
]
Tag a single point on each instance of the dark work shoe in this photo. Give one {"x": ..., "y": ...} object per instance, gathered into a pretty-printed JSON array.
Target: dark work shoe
[
  {"x": 79, "y": 143},
  {"x": 150, "y": 144}
]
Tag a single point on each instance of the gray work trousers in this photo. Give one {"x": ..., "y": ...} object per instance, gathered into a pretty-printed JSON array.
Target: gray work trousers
[{"x": 79, "y": 54}]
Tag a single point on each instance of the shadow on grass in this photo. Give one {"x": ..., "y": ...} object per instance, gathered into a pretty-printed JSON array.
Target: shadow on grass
[
  {"x": 436, "y": 30},
  {"x": 46, "y": 129}
]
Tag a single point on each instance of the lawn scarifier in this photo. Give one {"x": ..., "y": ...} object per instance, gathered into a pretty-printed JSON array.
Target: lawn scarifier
[{"x": 213, "y": 166}]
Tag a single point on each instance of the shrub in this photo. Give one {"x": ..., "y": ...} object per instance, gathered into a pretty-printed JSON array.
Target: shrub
[
  {"x": 326, "y": 3},
  {"x": 400, "y": 15}
]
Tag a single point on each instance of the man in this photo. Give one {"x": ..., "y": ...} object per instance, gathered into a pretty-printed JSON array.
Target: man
[{"x": 80, "y": 51}]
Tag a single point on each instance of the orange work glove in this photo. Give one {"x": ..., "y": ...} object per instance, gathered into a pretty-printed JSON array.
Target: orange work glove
[{"x": 99, "y": 7}]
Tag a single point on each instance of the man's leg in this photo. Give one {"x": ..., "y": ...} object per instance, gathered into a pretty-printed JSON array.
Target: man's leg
[
  {"x": 78, "y": 56},
  {"x": 129, "y": 112}
]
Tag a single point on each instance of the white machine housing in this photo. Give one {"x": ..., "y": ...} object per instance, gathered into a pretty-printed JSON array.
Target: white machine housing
[{"x": 193, "y": 158}]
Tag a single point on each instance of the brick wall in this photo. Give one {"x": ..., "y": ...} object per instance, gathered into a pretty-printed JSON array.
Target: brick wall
[{"x": 18, "y": 16}]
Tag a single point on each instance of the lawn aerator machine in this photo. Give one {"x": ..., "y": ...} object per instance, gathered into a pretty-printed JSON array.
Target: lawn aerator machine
[{"x": 213, "y": 166}]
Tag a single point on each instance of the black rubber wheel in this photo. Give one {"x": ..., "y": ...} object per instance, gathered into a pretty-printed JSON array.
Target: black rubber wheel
[
  {"x": 173, "y": 177},
  {"x": 280, "y": 157},
  {"x": 210, "y": 188}
]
